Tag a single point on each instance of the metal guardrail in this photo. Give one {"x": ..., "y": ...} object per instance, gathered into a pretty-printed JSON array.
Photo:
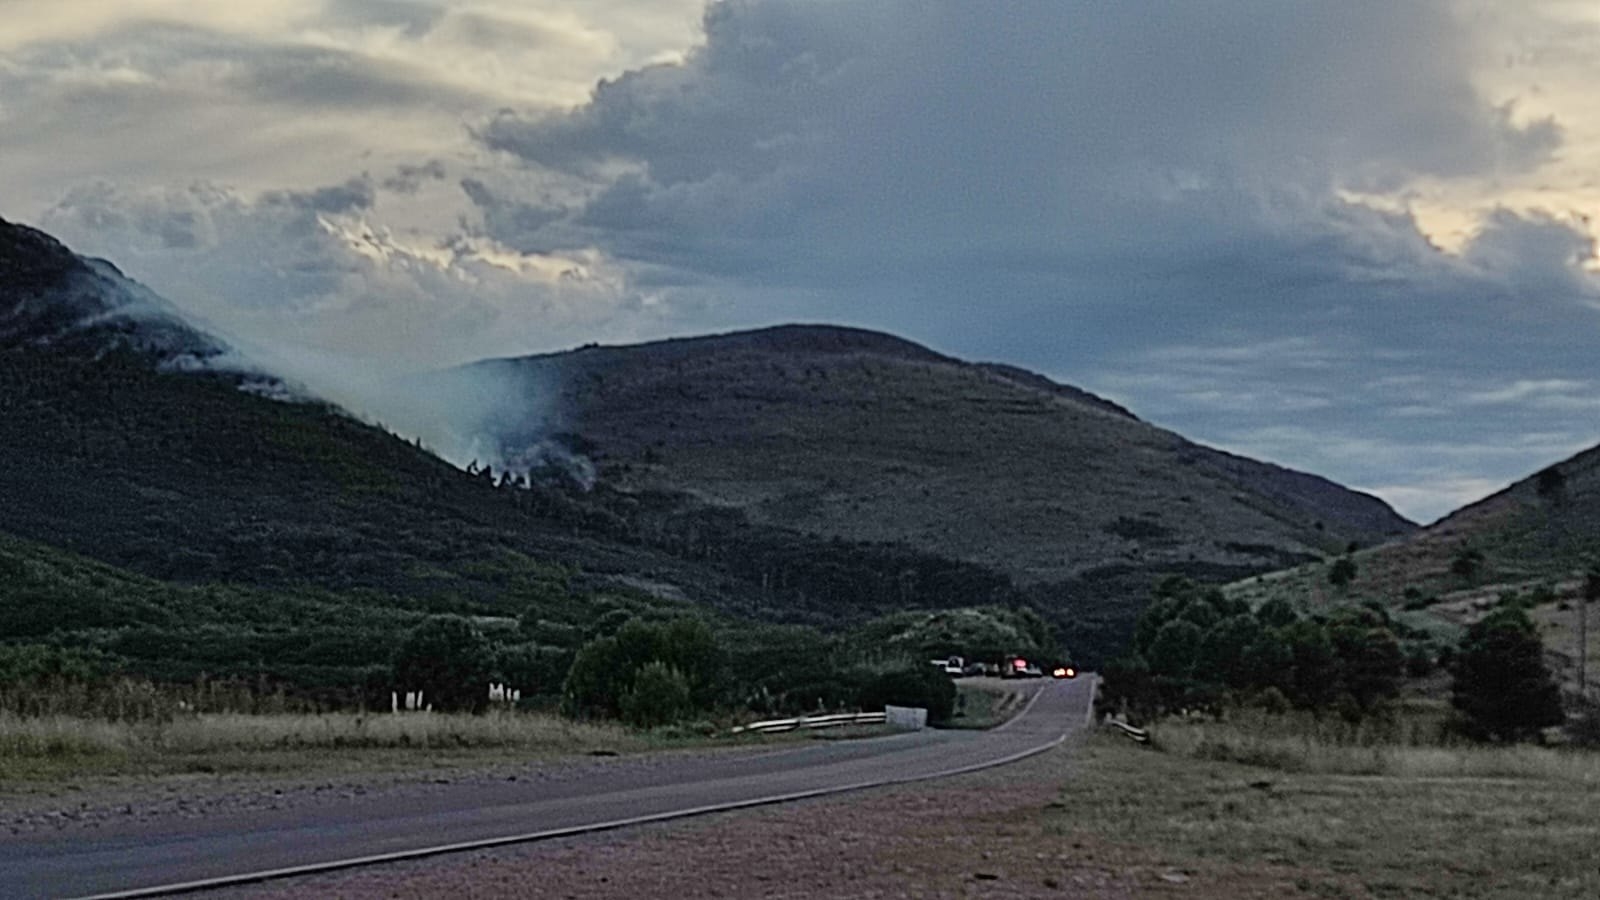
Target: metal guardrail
[
  {"x": 1137, "y": 735},
  {"x": 829, "y": 721}
]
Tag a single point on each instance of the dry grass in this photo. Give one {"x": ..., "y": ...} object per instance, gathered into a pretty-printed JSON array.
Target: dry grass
[
  {"x": 1414, "y": 747},
  {"x": 37, "y": 748},
  {"x": 1437, "y": 822}
]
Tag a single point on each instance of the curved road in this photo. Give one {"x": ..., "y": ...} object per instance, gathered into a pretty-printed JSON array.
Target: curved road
[{"x": 131, "y": 860}]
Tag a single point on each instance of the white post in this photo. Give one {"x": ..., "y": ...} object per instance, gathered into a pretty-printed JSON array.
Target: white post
[{"x": 394, "y": 702}]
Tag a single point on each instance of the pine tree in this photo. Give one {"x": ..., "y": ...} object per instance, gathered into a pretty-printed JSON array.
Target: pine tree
[{"x": 1502, "y": 686}]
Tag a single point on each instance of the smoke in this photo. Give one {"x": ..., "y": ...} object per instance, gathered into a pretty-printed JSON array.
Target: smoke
[{"x": 498, "y": 415}]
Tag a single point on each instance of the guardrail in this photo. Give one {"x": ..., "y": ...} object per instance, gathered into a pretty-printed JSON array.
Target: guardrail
[
  {"x": 1137, "y": 735},
  {"x": 828, "y": 721}
]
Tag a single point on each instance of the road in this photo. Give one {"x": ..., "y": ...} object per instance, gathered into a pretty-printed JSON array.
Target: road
[{"x": 132, "y": 858}]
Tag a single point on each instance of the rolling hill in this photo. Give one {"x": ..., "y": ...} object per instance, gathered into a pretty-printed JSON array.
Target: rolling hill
[
  {"x": 1534, "y": 539},
  {"x": 849, "y": 434},
  {"x": 799, "y": 474}
]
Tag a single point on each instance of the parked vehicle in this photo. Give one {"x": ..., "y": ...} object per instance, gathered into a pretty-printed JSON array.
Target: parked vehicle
[{"x": 1018, "y": 667}]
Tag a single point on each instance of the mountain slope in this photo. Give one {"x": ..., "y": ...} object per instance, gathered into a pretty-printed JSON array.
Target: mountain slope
[
  {"x": 52, "y": 298},
  {"x": 117, "y": 444},
  {"x": 841, "y": 433},
  {"x": 1533, "y": 539}
]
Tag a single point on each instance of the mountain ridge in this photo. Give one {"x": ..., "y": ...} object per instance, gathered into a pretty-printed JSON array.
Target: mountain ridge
[{"x": 852, "y": 419}]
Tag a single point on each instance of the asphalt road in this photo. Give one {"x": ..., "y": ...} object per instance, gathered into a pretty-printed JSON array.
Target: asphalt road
[{"x": 136, "y": 856}]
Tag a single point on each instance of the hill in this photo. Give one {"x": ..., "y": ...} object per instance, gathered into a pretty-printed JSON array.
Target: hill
[
  {"x": 802, "y": 474},
  {"x": 848, "y": 434},
  {"x": 1533, "y": 539}
]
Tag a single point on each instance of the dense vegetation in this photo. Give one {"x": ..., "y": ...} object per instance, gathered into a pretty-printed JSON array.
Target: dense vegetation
[{"x": 1194, "y": 648}]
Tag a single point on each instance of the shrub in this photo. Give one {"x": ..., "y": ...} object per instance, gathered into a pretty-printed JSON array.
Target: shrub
[
  {"x": 659, "y": 696},
  {"x": 918, "y": 686},
  {"x": 448, "y": 659},
  {"x": 1502, "y": 687},
  {"x": 605, "y": 669}
]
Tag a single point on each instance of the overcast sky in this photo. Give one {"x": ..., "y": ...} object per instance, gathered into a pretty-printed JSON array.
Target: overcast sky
[{"x": 1348, "y": 237}]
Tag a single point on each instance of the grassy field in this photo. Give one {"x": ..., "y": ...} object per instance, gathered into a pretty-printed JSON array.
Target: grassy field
[
  {"x": 49, "y": 748},
  {"x": 1220, "y": 811}
]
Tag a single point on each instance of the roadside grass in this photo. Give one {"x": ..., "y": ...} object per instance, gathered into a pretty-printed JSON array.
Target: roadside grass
[
  {"x": 1214, "y": 811},
  {"x": 1414, "y": 744},
  {"x": 55, "y": 747}
]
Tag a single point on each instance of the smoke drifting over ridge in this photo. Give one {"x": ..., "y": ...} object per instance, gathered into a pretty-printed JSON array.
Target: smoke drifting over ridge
[{"x": 495, "y": 415}]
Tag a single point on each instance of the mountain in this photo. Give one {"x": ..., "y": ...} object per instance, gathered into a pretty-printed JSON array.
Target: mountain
[
  {"x": 805, "y": 474},
  {"x": 846, "y": 434},
  {"x": 52, "y": 298},
  {"x": 157, "y": 506},
  {"x": 1534, "y": 539}
]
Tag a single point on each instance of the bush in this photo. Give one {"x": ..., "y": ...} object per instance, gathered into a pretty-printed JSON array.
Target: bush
[
  {"x": 448, "y": 659},
  {"x": 659, "y": 696},
  {"x": 605, "y": 669},
  {"x": 917, "y": 686},
  {"x": 1502, "y": 687}
]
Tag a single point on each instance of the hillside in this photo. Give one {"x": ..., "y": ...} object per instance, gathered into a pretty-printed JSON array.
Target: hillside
[
  {"x": 803, "y": 474},
  {"x": 118, "y": 444},
  {"x": 848, "y": 434},
  {"x": 1540, "y": 532}
]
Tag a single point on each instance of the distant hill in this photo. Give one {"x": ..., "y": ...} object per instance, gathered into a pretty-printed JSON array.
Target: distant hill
[
  {"x": 850, "y": 434},
  {"x": 1540, "y": 532}
]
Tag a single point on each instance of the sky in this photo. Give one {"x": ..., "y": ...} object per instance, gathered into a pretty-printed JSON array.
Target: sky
[{"x": 1352, "y": 238}]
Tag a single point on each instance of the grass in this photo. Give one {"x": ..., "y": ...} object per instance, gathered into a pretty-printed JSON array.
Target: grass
[
  {"x": 1414, "y": 745},
  {"x": 1340, "y": 820},
  {"x": 55, "y": 747}
]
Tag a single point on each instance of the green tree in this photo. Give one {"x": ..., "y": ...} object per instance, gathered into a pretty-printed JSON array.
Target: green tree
[
  {"x": 1370, "y": 661},
  {"x": 659, "y": 696},
  {"x": 1502, "y": 686},
  {"x": 1342, "y": 572},
  {"x": 916, "y": 686},
  {"x": 1277, "y": 613},
  {"x": 1173, "y": 651},
  {"x": 605, "y": 669},
  {"x": 448, "y": 659},
  {"x": 1222, "y": 656},
  {"x": 1315, "y": 667},
  {"x": 1467, "y": 563}
]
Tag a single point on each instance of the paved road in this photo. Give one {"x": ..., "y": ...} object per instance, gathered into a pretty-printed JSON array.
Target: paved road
[{"x": 167, "y": 853}]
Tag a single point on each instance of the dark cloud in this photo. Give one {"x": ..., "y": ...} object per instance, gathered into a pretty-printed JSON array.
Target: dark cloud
[
  {"x": 854, "y": 138},
  {"x": 354, "y": 195},
  {"x": 1077, "y": 186},
  {"x": 408, "y": 178}
]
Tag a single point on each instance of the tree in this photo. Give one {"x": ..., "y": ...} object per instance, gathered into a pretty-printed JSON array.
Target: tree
[
  {"x": 605, "y": 669},
  {"x": 448, "y": 659},
  {"x": 659, "y": 696},
  {"x": 1466, "y": 563},
  {"x": 1277, "y": 613},
  {"x": 1173, "y": 651},
  {"x": 1315, "y": 668},
  {"x": 1342, "y": 572},
  {"x": 1370, "y": 661},
  {"x": 1502, "y": 686},
  {"x": 917, "y": 686},
  {"x": 1223, "y": 656}
]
